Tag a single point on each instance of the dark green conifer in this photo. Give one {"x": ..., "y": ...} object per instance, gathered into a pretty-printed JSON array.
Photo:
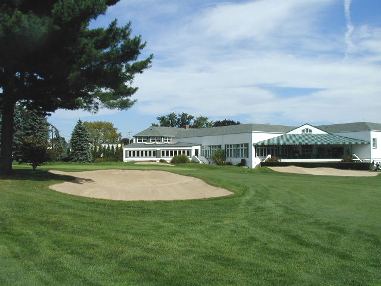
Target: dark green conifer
[{"x": 80, "y": 144}]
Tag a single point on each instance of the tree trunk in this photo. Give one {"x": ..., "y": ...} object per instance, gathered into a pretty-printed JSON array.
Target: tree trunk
[{"x": 7, "y": 123}]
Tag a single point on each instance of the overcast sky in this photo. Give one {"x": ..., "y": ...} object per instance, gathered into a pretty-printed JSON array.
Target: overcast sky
[{"x": 265, "y": 61}]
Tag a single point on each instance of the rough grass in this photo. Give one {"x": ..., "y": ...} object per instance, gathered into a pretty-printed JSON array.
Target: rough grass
[{"x": 278, "y": 229}]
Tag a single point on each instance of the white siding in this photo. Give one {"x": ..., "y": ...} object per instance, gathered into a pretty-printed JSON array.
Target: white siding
[
  {"x": 376, "y": 152},
  {"x": 300, "y": 129},
  {"x": 224, "y": 140},
  {"x": 362, "y": 151}
]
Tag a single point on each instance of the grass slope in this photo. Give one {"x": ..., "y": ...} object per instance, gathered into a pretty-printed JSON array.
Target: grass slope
[{"x": 278, "y": 229}]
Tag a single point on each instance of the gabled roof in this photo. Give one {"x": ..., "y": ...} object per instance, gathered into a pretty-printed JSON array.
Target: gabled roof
[
  {"x": 310, "y": 139},
  {"x": 351, "y": 127},
  {"x": 213, "y": 131}
]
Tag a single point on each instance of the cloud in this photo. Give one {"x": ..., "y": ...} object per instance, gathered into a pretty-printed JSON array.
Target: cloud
[
  {"x": 350, "y": 28},
  {"x": 237, "y": 58}
]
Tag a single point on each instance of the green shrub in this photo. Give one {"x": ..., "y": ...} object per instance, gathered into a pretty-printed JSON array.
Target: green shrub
[
  {"x": 273, "y": 159},
  {"x": 218, "y": 157},
  {"x": 180, "y": 159},
  {"x": 163, "y": 161}
]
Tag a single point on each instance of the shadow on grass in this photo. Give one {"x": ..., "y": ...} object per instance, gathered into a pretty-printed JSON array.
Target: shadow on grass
[{"x": 41, "y": 175}]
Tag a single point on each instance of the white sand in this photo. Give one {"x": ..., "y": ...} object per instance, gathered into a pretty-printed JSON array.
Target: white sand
[
  {"x": 324, "y": 171},
  {"x": 134, "y": 185}
]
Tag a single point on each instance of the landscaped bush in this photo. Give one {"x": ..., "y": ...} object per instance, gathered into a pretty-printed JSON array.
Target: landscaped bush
[
  {"x": 218, "y": 157},
  {"x": 163, "y": 161},
  {"x": 180, "y": 159},
  {"x": 273, "y": 159}
]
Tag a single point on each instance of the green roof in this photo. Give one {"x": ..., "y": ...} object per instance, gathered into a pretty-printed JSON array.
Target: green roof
[
  {"x": 310, "y": 139},
  {"x": 351, "y": 127},
  {"x": 213, "y": 131}
]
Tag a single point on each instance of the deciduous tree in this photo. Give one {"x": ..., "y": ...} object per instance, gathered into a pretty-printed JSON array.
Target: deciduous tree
[{"x": 102, "y": 132}]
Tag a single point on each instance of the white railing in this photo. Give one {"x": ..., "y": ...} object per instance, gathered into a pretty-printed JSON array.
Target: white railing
[
  {"x": 267, "y": 158},
  {"x": 356, "y": 158}
]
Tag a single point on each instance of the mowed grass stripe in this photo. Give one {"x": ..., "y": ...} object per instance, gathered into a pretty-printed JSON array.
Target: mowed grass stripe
[{"x": 278, "y": 229}]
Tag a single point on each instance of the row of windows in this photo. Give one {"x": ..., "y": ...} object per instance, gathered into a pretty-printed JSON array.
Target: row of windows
[
  {"x": 172, "y": 153},
  {"x": 153, "y": 139},
  {"x": 231, "y": 150},
  {"x": 237, "y": 150},
  {"x": 154, "y": 153},
  {"x": 141, "y": 154},
  {"x": 208, "y": 151}
]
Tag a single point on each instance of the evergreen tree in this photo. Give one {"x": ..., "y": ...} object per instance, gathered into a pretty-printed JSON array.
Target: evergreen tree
[
  {"x": 80, "y": 144},
  {"x": 31, "y": 137},
  {"x": 51, "y": 58}
]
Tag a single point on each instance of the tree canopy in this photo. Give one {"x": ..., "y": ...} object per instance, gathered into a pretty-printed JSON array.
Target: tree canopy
[
  {"x": 225, "y": 122},
  {"x": 52, "y": 59},
  {"x": 183, "y": 119},
  {"x": 102, "y": 132}
]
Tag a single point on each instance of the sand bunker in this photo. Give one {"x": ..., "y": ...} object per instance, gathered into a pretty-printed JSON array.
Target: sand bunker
[
  {"x": 134, "y": 185},
  {"x": 324, "y": 171}
]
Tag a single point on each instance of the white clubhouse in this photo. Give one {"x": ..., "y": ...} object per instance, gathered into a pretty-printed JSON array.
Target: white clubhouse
[{"x": 253, "y": 143}]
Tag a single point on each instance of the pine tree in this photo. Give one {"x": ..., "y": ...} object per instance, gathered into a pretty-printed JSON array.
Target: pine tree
[
  {"x": 31, "y": 137},
  {"x": 80, "y": 144},
  {"x": 51, "y": 58}
]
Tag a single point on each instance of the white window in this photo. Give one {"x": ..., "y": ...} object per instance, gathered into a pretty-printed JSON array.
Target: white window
[
  {"x": 237, "y": 150},
  {"x": 307, "y": 131},
  {"x": 374, "y": 143},
  {"x": 141, "y": 139},
  {"x": 167, "y": 140}
]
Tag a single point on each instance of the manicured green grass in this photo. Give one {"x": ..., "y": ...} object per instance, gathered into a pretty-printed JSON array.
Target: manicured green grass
[{"x": 278, "y": 229}]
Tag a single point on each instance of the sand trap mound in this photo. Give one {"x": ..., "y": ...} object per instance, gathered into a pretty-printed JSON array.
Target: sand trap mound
[
  {"x": 134, "y": 185},
  {"x": 324, "y": 171}
]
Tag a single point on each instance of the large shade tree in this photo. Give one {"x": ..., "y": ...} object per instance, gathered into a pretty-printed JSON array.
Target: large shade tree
[
  {"x": 102, "y": 132},
  {"x": 52, "y": 59}
]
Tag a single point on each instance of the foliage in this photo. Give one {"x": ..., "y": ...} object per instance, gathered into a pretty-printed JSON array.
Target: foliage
[
  {"x": 107, "y": 153},
  {"x": 53, "y": 59},
  {"x": 273, "y": 159},
  {"x": 182, "y": 120},
  {"x": 31, "y": 137},
  {"x": 80, "y": 147},
  {"x": 278, "y": 229},
  {"x": 58, "y": 149},
  {"x": 201, "y": 122},
  {"x": 180, "y": 159},
  {"x": 169, "y": 120},
  {"x": 225, "y": 122},
  {"x": 102, "y": 132},
  {"x": 219, "y": 157}
]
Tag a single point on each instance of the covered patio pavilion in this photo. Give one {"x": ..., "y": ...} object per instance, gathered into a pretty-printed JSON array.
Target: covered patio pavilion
[{"x": 316, "y": 147}]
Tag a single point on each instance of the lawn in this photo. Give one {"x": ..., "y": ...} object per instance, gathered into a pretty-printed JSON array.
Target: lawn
[{"x": 278, "y": 229}]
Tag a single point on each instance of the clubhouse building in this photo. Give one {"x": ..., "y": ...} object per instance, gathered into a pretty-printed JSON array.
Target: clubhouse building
[{"x": 254, "y": 143}]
